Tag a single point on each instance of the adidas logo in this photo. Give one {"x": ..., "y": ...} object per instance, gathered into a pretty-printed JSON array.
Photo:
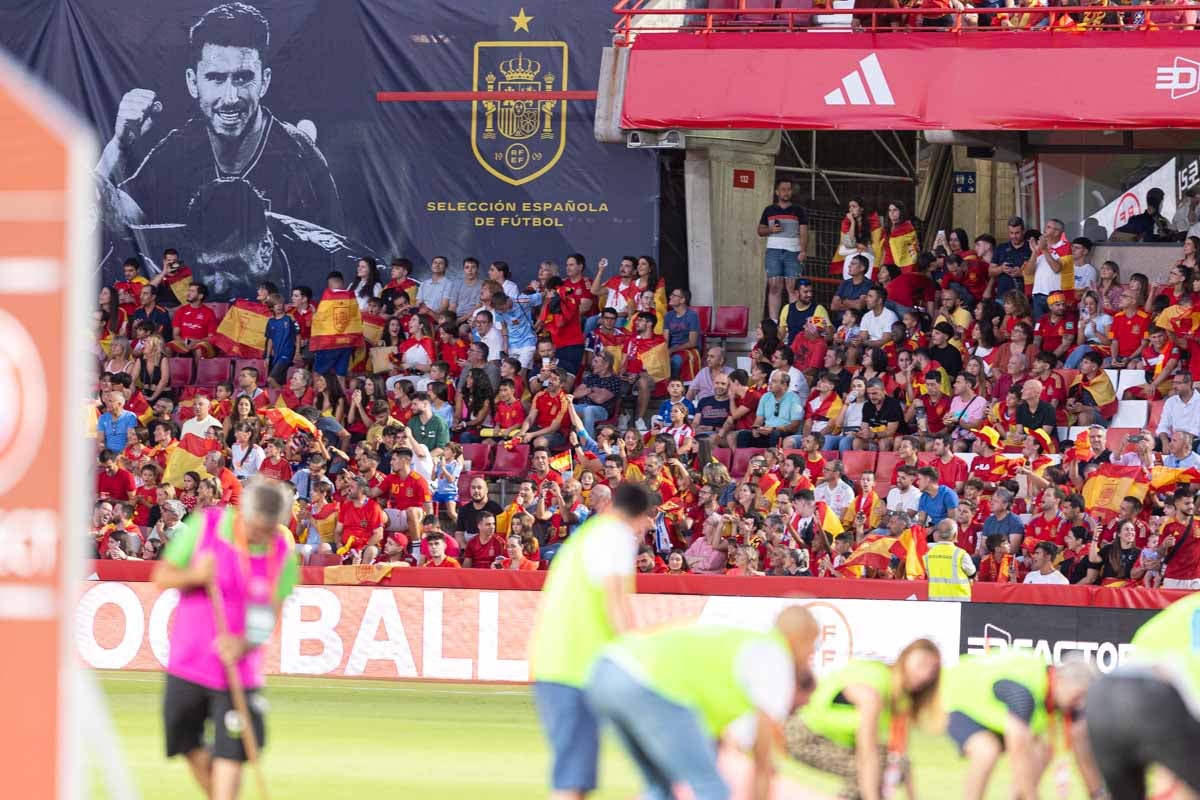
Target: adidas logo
[{"x": 855, "y": 89}]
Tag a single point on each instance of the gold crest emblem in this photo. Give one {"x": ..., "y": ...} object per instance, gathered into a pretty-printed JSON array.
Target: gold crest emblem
[
  {"x": 341, "y": 318},
  {"x": 519, "y": 140}
]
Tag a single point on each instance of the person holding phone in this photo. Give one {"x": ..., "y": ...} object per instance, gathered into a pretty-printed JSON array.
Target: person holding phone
[{"x": 785, "y": 227}]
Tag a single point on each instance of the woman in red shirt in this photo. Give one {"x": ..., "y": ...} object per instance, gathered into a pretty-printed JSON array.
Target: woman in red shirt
[{"x": 516, "y": 559}]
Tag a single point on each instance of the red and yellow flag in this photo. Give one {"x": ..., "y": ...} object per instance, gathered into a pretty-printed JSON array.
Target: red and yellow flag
[
  {"x": 911, "y": 547},
  {"x": 874, "y": 552},
  {"x": 285, "y": 423},
  {"x": 373, "y": 327},
  {"x": 901, "y": 243},
  {"x": 652, "y": 353},
  {"x": 1101, "y": 390},
  {"x": 614, "y": 343},
  {"x": 188, "y": 456},
  {"x": 337, "y": 323},
  {"x": 179, "y": 282},
  {"x": 1108, "y": 485},
  {"x": 243, "y": 331},
  {"x": 1162, "y": 477},
  {"x": 561, "y": 463},
  {"x": 828, "y": 520}
]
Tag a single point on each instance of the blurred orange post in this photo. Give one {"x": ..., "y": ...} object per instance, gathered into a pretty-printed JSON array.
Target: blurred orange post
[{"x": 47, "y": 258}]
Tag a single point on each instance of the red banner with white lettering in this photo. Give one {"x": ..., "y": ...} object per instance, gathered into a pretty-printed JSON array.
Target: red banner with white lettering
[{"x": 916, "y": 81}]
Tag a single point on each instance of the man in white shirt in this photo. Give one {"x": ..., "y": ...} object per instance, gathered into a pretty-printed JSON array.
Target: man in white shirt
[
  {"x": 832, "y": 490},
  {"x": 486, "y": 331},
  {"x": 1042, "y": 561},
  {"x": 878, "y": 320},
  {"x": 202, "y": 421},
  {"x": 904, "y": 496},
  {"x": 1181, "y": 411},
  {"x": 1048, "y": 253}
]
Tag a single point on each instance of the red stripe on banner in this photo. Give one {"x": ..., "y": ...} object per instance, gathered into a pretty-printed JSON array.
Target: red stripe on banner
[{"x": 863, "y": 81}]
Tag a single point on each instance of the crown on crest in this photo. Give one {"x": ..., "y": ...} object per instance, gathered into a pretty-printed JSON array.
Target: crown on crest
[{"x": 520, "y": 68}]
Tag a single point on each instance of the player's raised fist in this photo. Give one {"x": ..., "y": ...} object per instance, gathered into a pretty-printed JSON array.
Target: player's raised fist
[{"x": 135, "y": 115}]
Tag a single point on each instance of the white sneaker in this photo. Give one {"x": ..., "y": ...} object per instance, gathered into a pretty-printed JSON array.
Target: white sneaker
[
  {"x": 623, "y": 421},
  {"x": 641, "y": 425}
]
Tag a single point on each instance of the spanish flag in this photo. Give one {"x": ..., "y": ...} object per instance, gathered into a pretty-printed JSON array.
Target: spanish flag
[
  {"x": 901, "y": 245},
  {"x": 1101, "y": 390},
  {"x": 1162, "y": 477},
  {"x": 286, "y": 423},
  {"x": 338, "y": 322},
  {"x": 408, "y": 286},
  {"x": 1108, "y": 485},
  {"x": 828, "y": 520},
  {"x": 188, "y": 456},
  {"x": 243, "y": 331},
  {"x": 373, "y": 327},
  {"x": 179, "y": 282},
  {"x": 876, "y": 238},
  {"x": 614, "y": 343},
  {"x": 561, "y": 463},
  {"x": 874, "y": 552},
  {"x": 824, "y": 408},
  {"x": 651, "y": 353},
  {"x": 911, "y": 547},
  {"x": 325, "y": 518},
  {"x": 869, "y": 505},
  {"x": 768, "y": 486}
]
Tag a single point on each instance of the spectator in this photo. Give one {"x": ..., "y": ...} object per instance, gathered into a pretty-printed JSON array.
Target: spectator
[
  {"x": 904, "y": 496},
  {"x": 360, "y": 524},
  {"x": 466, "y": 290},
  {"x": 515, "y": 558},
  {"x": 115, "y": 424},
  {"x": 785, "y": 227},
  {"x": 597, "y": 393},
  {"x": 471, "y": 513},
  {"x": 436, "y": 293},
  {"x": 516, "y": 329},
  {"x": 560, "y": 319},
  {"x": 1115, "y": 560},
  {"x": 1034, "y": 413},
  {"x": 998, "y": 565},
  {"x": 246, "y": 456},
  {"x": 283, "y": 338},
  {"x": 852, "y": 292},
  {"x": 426, "y": 427},
  {"x": 704, "y": 384},
  {"x": 778, "y": 416},
  {"x": 436, "y": 541},
  {"x": 1181, "y": 411},
  {"x": 881, "y": 417},
  {"x": 229, "y": 489},
  {"x": 936, "y": 501},
  {"x": 1052, "y": 256},
  {"x": 798, "y": 313},
  {"x": 878, "y": 319},
  {"x": 1181, "y": 452},
  {"x": 1179, "y": 546},
  {"x": 152, "y": 313},
  {"x": 113, "y": 482},
  {"x": 548, "y": 415},
  {"x": 1042, "y": 562},
  {"x": 833, "y": 491},
  {"x": 193, "y": 325},
  {"x": 1003, "y": 522},
  {"x": 1010, "y": 258},
  {"x": 684, "y": 336},
  {"x": 485, "y": 548}
]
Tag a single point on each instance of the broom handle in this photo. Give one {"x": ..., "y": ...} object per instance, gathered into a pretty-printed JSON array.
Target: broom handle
[{"x": 249, "y": 738}]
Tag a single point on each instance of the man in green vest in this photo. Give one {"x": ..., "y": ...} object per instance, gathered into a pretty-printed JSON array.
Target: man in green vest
[
  {"x": 671, "y": 693},
  {"x": 1014, "y": 702},
  {"x": 1147, "y": 711},
  {"x": 948, "y": 567},
  {"x": 584, "y": 606}
]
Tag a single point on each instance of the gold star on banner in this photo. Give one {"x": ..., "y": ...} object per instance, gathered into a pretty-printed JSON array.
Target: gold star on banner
[{"x": 521, "y": 22}]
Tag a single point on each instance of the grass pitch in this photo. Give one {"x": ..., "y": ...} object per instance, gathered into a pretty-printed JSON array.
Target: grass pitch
[{"x": 329, "y": 739}]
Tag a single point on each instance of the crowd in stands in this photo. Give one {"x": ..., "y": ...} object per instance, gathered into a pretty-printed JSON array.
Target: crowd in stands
[{"x": 961, "y": 397}]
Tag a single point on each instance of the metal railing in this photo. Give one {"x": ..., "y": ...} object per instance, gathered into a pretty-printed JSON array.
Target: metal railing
[{"x": 634, "y": 18}]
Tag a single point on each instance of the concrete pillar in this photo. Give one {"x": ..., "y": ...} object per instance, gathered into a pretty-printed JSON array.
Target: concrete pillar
[
  {"x": 725, "y": 253},
  {"x": 995, "y": 198}
]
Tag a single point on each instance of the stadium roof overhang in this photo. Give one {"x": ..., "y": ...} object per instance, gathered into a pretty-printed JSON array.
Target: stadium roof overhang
[{"x": 981, "y": 81}]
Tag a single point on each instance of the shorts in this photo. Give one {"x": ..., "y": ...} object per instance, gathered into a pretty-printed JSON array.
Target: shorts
[
  {"x": 335, "y": 361},
  {"x": 961, "y": 728},
  {"x": 445, "y": 497},
  {"x": 782, "y": 263},
  {"x": 573, "y": 733},
  {"x": 524, "y": 355},
  {"x": 186, "y": 708}
]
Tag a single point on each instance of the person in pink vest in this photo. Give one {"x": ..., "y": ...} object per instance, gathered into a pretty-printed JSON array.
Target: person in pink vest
[{"x": 247, "y": 553}]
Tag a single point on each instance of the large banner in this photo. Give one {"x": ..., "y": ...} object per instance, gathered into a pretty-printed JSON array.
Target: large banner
[
  {"x": 248, "y": 136},
  {"x": 862, "y": 81},
  {"x": 469, "y": 634}
]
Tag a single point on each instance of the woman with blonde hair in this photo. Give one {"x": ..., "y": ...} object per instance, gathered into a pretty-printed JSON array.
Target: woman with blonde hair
[
  {"x": 855, "y": 725},
  {"x": 153, "y": 370}
]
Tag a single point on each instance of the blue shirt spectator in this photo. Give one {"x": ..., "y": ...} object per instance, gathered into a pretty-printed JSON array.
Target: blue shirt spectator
[
  {"x": 282, "y": 333},
  {"x": 779, "y": 411},
  {"x": 680, "y": 326},
  {"x": 520, "y": 329},
  {"x": 938, "y": 505},
  {"x": 114, "y": 426},
  {"x": 1011, "y": 255}
]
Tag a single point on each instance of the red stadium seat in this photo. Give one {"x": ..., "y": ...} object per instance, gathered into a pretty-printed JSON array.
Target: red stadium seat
[
  {"x": 724, "y": 455},
  {"x": 829, "y": 455},
  {"x": 324, "y": 560},
  {"x": 480, "y": 456},
  {"x": 1114, "y": 437},
  {"x": 258, "y": 363},
  {"x": 795, "y": 20},
  {"x": 219, "y": 309},
  {"x": 509, "y": 462},
  {"x": 730, "y": 321},
  {"x": 741, "y": 460},
  {"x": 464, "y": 484},
  {"x": 705, "y": 314},
  {"x": 181, "y": 371},
  {"x": 857, "y": 462},
  {"x": 885, "y": 466},
  {"x": 211, "y": 371}
]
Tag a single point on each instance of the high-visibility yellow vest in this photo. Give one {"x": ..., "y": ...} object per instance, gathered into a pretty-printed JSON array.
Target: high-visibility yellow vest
[{"x": 947, "y": 578}]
